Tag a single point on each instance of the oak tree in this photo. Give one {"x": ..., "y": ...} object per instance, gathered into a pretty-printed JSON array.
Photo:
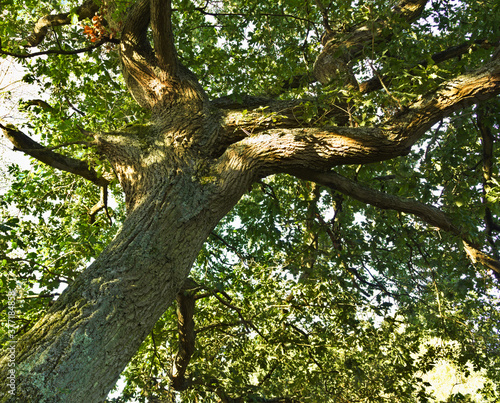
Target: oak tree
[{"x": 327, "y": 168}]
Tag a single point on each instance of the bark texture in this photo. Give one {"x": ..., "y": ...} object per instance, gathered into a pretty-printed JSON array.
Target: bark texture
[{"x": 181, "y": 174}]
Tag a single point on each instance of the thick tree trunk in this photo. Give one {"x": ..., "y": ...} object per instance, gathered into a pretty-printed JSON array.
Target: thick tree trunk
[{"x": 76, "y": 353}]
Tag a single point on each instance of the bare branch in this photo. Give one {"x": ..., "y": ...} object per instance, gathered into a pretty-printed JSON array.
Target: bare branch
[
  {"x": 476, "y": 256},
  {"x": 89, "y": 48},
  {"x": 410, "y": 10},
  {"x": 25, "y": 144},
  {"x": 101, "y": 204}
]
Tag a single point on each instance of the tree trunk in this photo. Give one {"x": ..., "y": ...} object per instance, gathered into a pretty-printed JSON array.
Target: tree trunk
[{"x": 76, "y": 353}]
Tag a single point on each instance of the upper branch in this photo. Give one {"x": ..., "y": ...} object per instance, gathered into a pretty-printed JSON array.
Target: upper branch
[
  {"x": 86, "y": 10},
  {"x": 338, "y": 52},
  {"x": 286, "y": 150},
  {"x": 25, "y": 144},
  {"x": 135, "y": 28},
  {"x": 458, "y": 93},
  {"x": 163, "y": 38}
]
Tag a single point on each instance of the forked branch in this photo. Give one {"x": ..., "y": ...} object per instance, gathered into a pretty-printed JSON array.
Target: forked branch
[{"x": 154, "y": 77}]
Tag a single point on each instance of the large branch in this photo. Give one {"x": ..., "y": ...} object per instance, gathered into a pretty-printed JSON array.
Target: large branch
[
  {"x": 267, "y": 151},
  {"x": 134, "y": 34},
  {"x": 163, "y": 37},
  {"x": 154, "y": 77},
  {"x": 25, "y": 144},
  {"x": 280, "y": 150},
  {"x": 237, "y": 118},
  {"x": 86, "y": 10},
  {"x": 356, "y": 190},
  {"x": 458, "y": 93}
]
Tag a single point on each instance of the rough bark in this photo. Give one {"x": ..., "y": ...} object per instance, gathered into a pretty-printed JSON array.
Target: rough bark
[
  {"x": 78, "y": 350},
  {"x": 181, "y": 174}
]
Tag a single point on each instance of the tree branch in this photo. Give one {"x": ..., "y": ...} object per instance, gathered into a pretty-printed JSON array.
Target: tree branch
[
  {"x": 163, "y": 37},
  {"x": 155, "y": 79},
  {"x": 270, "y": 151},
  {"x": 458, "y": 93},
  {"x": 425, "y": 212},
  {"x": 89, "y": 48},
  {"x": 135, "y": 28},
  {"x": 25, "y": 144},
  {"x": 86, "y": 10},
  {"x": 333, "y": 61},
  {"x": 476, "y": 256},
  {"x": 101, "y": 204}
]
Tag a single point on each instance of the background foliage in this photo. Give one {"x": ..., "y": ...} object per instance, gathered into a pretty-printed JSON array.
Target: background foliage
[{"x": 305, "y": 294}]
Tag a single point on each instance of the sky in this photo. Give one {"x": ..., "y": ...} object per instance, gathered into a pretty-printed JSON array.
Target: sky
[{"x": 12, "y": 90}]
